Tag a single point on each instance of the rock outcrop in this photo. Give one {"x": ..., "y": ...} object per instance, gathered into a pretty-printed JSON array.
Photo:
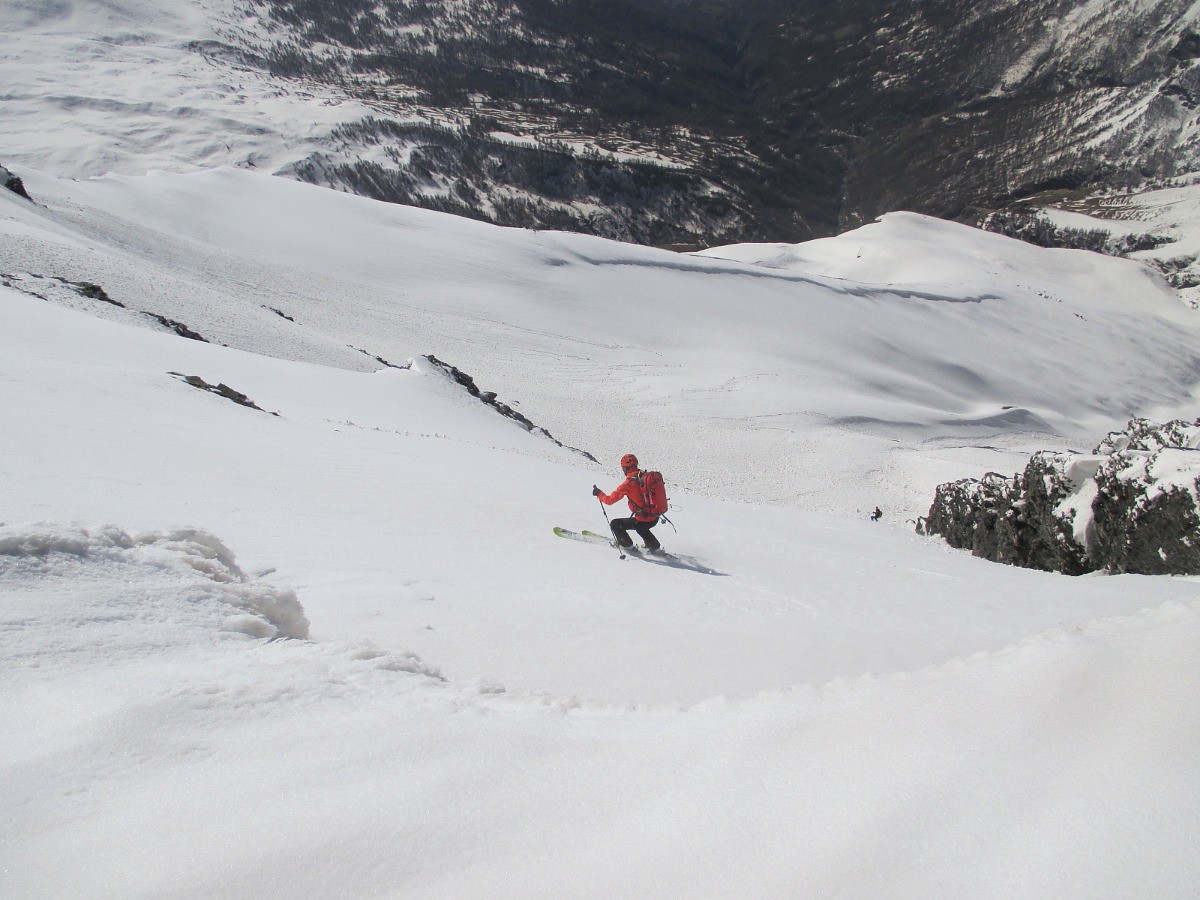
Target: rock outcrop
[
  {"x": 488, "y": 398},
  {"x": 1132, "y": 505},
  {"x": 13, "y": 183}
]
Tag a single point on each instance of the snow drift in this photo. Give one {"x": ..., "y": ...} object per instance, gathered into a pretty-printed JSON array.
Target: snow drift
[{"x": 263, "y": 611}]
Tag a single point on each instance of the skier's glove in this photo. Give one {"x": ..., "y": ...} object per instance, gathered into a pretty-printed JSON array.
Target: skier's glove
[{"x": 596, "y": 492}]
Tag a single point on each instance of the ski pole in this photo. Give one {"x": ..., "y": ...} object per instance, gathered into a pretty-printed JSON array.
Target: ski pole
[{"x": 605, "y": 511}]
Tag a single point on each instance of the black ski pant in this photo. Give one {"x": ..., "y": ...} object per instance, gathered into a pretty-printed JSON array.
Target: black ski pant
[{"x": 622, "y": 527}]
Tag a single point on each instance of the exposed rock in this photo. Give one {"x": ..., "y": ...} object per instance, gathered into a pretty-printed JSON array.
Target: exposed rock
[
  {"x": 45, "y": 287},
  {"x": 1046, "y": 523},
  {"x": 489, "y": 398},
  {"x": 178, "y": 327},
  {"x": 221, "y": 390},
  {"x": 13, "y": 183},
  {"x": 93, "y": 292},
  {"x": 377, "y": 358},
  {"x": 1145, "y": 512},
  {"x": 977, "y": 514},
  {"x": 1130, "y": 506}
]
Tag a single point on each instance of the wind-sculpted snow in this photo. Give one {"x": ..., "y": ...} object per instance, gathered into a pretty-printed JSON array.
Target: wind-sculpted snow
[
  {"x": 264, "y": 610},
  {"x": 149, "y": 753}
]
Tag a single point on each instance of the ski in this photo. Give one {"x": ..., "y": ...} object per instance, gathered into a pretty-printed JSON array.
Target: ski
[
  {"x": 641, "y": 551},
  {"x": 658, "y": 558},
  {"x": 592, "y": 538},
  {"x": 588, "y": 537}
]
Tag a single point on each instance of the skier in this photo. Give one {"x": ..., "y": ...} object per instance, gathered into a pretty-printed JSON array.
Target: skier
[{"x": 641, "y": 521}]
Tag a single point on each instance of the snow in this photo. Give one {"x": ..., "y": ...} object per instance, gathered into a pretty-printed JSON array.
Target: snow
[
  {"x": 1082, "y": 472},
  {"x": 809, "y": 365},
  {"x": 338, "y": 651},
  {"x": 1166, "y": 471},
  {"x": 108, "y": 86}
]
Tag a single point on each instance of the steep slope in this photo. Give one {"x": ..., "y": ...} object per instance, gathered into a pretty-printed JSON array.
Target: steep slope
[{"x": 948, "y": 106}]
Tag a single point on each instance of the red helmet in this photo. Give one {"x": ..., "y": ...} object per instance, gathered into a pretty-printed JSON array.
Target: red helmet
[{"x": 629, "y": 461}]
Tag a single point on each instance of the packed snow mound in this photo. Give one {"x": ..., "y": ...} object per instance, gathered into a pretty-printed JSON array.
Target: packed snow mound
[{"x": 262, "y": 610}]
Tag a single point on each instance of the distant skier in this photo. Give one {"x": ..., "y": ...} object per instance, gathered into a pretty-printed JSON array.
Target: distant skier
[
  {"x": 877, "y": 515},
  {"x": 643, "y": 519}
]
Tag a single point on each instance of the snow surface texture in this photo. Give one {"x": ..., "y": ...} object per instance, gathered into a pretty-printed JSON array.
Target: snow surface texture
[
  {"x": 818, "y": 705},
  {"x": 263, "y": 611},
  {"x": 96, "y": 86}
]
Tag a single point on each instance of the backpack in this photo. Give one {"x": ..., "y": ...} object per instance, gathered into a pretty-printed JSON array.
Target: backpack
[{"x": 655, "y": 493}]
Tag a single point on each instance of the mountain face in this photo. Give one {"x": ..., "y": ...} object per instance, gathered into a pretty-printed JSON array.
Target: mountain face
[
  {"x": 708, "y": 121},
  {"x": 693, "y": 122}
]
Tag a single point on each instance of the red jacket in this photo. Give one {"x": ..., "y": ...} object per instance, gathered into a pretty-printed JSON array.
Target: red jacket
[{"x": 630, "y": 489}]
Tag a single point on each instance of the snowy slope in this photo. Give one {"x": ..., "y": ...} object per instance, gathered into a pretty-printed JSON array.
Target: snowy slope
[
  {"x": 155, "y": 754},
  {"x": 787, "y": 374},
  {"x": 805, "y": 703},
  {"x": 96, "y": 86}
]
